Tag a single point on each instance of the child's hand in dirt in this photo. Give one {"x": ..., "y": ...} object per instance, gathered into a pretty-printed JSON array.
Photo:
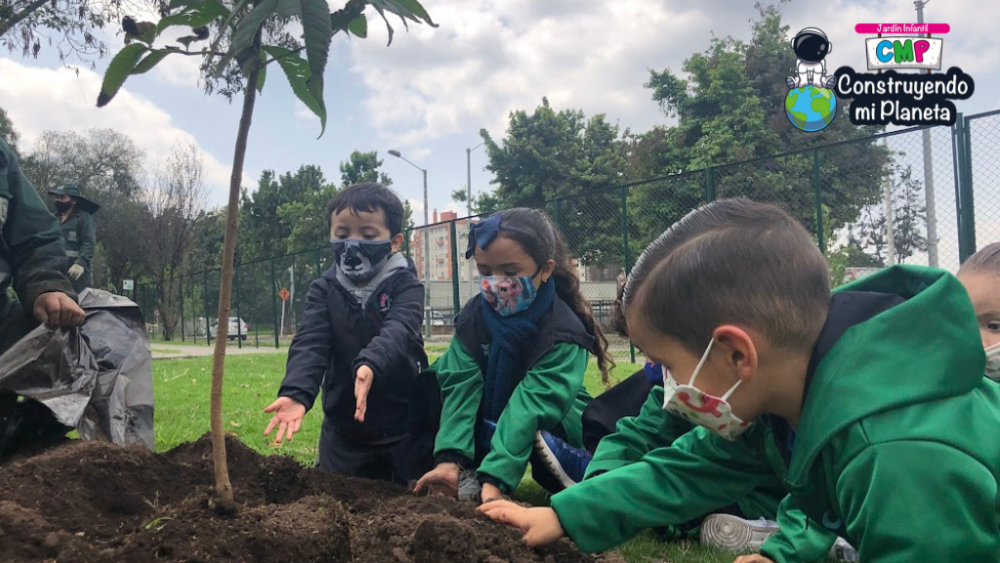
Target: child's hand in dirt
[
  {"x": 288, "y": 414},
  {"x": 443, "y": 479},
  {"x": 490, "y": 493},
  {"x": 753, "y": 559},
  {"x": 540, "y": 525},
  {"x": 362, "y": 384}
]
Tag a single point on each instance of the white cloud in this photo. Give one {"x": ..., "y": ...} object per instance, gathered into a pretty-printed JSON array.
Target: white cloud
[
  {"x": 41, "y": 99},
  {"x": 488, "y": 58},
  {"x": 179, "y": 71},
  {"x": 302, "y": 112}
]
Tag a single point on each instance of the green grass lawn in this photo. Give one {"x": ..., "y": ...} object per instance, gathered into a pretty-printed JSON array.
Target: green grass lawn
[{"x": 182, "y": 400}]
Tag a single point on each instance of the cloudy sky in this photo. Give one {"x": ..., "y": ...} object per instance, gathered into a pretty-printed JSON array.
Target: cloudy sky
[{"x": 430, "y": 92}]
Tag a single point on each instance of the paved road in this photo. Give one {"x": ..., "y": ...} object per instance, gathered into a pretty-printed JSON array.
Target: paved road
[{"x": 189, "y": 351}]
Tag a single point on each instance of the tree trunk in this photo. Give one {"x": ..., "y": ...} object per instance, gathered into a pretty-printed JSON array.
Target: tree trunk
[{"x": 223, "y": 488}]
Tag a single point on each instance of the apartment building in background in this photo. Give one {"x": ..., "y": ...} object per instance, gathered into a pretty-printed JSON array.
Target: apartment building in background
[{"x": 440, "y": 247}]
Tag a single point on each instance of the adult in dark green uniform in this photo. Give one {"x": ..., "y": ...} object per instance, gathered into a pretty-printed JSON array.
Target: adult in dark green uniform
[
  {"x": 33, "y": 259},
  {"x": 78, "y": 230}
]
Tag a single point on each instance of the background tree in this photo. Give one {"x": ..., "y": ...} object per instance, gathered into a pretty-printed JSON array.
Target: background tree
[
  {"x": 240, "y": 30},
  {"x": 304, "y": 214},
  {"x": 107, "y": 165},
  {"x": 565, "y": 163},
  {"x": 7, "y": 131},
  {"x": 174, "y": 201},
  {"x": 363, "y": 167},
  {"x": 730, "y": 107},
  {"x": 870, "y": 246},
  {"x": 72, "y": 27},
  {"x": 484, "y": 203}
]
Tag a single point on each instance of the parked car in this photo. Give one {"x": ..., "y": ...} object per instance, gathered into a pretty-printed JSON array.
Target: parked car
[
  {"x": 439, "y": 319},
  {"x": 234, "y": 330}
]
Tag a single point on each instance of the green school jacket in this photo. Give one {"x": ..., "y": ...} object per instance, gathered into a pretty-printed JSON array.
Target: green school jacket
[
  {"x": 896, "y": 446},
  {"x": 551, "y": 394},
  {"x": 654, "y": 427},
  {"x": 32, "y": 253}
]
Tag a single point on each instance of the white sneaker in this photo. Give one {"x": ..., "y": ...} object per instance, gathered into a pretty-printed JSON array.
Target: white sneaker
[
  {"x": 843, "y": 551},
  {"x": 469, "y": 487},
  {"x": 735, "y": 534}
]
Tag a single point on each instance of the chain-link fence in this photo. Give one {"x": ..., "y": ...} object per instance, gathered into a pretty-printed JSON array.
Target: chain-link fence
[{"x": 899, "y": 197}]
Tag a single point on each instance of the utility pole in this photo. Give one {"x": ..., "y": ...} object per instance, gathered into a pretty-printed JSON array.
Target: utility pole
[
  {"x": 427, "y": 247},
  {"x": 932, "y": 239}
]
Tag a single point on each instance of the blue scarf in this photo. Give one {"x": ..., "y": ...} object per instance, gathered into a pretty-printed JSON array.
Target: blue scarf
[{"x": 511, "y": 336}]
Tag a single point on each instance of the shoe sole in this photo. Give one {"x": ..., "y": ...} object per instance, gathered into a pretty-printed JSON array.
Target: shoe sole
[
  {"x": 732, "y": 533},
  {"x": 548, "y": 458}
]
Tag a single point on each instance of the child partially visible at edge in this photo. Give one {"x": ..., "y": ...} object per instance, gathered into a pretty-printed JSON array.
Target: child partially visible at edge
[
  {"x": 844, "y": 397},
  {"x": 980, "y": 275},
  {"x": 360, "y": 341},
  {"x": 512, "y": 381}
]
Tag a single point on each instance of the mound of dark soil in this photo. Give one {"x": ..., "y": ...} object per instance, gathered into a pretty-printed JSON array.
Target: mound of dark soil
[{"x": 97, "y": 503}]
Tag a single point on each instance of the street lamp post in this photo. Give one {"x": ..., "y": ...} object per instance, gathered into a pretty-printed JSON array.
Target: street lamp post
[
  {"x": 427, "y": 249},
  {"x": 468, "y": 200}
]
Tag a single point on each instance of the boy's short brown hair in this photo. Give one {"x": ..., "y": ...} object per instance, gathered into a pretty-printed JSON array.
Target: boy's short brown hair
[
  {"x": 732, "y": 261},
  {"x": 371, "y": 197},
  {"x": 986, "y": 261}
]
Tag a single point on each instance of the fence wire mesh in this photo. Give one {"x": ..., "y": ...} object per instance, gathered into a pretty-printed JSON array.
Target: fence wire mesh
[{"x": 865, "y": 201}]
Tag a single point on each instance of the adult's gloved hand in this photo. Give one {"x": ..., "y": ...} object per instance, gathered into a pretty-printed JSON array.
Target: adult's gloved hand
[{"x": 75, "y": 271}]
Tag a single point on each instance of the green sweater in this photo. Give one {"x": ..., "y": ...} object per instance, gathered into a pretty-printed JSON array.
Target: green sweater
[
  {"x": 653, "y": 428},
  {"x": 551, "y": 394},
  {"x": 894, "y": 449}
]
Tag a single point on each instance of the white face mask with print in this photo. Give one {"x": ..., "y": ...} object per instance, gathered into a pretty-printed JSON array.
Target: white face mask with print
[
  {"x": 694, "y": 405},
  {"x": 993, "y": 362}
]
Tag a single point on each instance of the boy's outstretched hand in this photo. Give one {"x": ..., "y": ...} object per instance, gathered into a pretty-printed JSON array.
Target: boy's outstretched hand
[
  {"x": 753, "y": 559},
  {"x": 540, "y": 525},
  {"x": 362, "y": 385},
  {"x": 288, "y": 414}
]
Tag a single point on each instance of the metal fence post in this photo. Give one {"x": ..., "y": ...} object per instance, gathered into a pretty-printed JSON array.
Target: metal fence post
[
  {"x": 968, "y": 199},
  {"x": 709, "y": 184},
  {"x": 956, "y": 158},
  {"x": 456, "y": 298},
  {"x": 961, "y": 138},
  {"x": 407, "y": 233},
  {"x": 239, "y": 317},
  {"x": 274, "y": 302},
  {"x": 627, "y": 254},
  {"x": 180, "y": 293},
  {"x": 819, "y": 202},
  {"x": 204, "y": 306}
]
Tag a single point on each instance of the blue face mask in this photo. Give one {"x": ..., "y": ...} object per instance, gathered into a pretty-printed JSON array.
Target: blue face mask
[{"x": 508, "y": 295}]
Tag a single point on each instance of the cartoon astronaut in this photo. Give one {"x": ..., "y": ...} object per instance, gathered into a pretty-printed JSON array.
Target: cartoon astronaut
[{"x": 811, "y": 46}]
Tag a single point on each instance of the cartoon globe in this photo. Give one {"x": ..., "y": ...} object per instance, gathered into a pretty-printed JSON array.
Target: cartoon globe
[{"x": 810, "y": 108}]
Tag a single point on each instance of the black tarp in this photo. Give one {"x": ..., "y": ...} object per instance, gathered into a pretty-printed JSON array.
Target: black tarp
[{"x": 96, "y": 378}]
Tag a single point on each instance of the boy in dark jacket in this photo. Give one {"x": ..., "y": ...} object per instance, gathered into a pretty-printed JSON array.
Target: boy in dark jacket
[{"x": 360, "y": 340}]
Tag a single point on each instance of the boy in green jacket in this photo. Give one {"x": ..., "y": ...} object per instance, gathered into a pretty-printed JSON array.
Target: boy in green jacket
[{"x": 870, "y": 405}]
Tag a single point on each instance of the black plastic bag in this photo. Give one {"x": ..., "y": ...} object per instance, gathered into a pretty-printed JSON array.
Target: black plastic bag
[{"x": 97, "y": 378}]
